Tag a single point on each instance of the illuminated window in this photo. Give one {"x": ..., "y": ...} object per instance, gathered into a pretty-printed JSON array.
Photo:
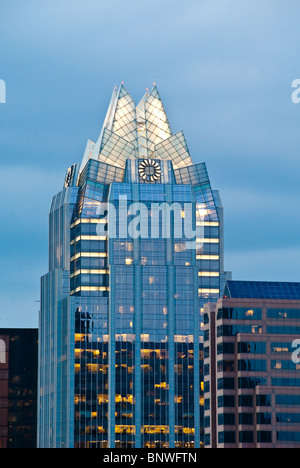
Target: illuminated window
[{"x": 249, "y": 313}]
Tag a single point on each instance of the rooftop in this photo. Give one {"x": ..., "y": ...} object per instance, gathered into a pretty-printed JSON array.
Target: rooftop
[{"x": 262, "y": 290}]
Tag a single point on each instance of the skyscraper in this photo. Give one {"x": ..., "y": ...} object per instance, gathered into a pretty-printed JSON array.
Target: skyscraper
[{"x": 135, "y": 250}]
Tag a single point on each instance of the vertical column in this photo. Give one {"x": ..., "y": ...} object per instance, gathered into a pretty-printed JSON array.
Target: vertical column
[
  {"x": 171, "y": 349},
  {"x": 69, "y": 309},
  {"x": 137, "y": 355},
  {"x": 137, "y": 278},
  {"x": 171, "y": 272},
  {"x": 111, "y": 360},
  {"x": 197, "y": 362}
]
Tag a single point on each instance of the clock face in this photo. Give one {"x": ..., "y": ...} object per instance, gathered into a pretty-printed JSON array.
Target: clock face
[
  {"x": 149, "y": 170},
  {"x": 68, "y": 177}
]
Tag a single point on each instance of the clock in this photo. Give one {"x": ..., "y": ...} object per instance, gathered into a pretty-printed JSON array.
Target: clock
[{"x": 149, "y": 170}]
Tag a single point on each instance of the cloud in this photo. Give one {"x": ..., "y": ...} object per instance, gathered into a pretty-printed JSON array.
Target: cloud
[{"x": 224, "y": 71}]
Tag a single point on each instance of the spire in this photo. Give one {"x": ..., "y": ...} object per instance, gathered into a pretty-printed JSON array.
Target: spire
[
  {"x": 111, "y": 109},
  {"x": 158, "y": 127},
  {"x": 122, "y": 117},
  {"x": 137, "y": 131},
  {"x": 87, "y": 154},
  {"x": 152, "y": 123},
  {"x": 141, "y": 128}
]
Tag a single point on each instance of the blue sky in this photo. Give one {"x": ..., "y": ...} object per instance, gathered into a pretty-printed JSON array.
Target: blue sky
[{"x": 224, "y": 70}]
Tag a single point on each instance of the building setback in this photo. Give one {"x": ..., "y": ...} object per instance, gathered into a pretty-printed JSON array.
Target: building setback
[
  {"x": 121, "y": 332},
  {"x": 18, "y": 387},
  {"x": 251, "y": 366}
]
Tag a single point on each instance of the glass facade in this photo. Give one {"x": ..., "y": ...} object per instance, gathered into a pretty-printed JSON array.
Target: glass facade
[{"x": 136, "y": 249}]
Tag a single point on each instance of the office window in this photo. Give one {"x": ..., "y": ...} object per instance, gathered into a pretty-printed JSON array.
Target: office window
[
  {"x": 287, "y": 400},
  {"x": 226, "y": 401},
  {"x": 264, "y": 418},
  {"x": 207, "y": 421},
  {"x": 245, "y": 400},
  {"x": 288, "y": 418},
  {"x": 226, "y": 419},
  {"x": 252, "y": 347},
  {"x": 246, "y": 419},
  {"x": 263, "y": 400},
  {"x": 225, "y": 366},
  {"x": 226, "y": 384},
  {"x": 281, "y": 347},
  {"x": 225, "y": 348},
  {"x": 255, "y": 365},
  {"x": 246, "y": 437},
  {"x": 283, "y": 314},
  {"x": 251, "y": 382},
  {"x": 207, "y": 439},
  {"x": 288, "y": 436},
  {"x": 239, "y": 313},
  {"x": 264, "y": 437},
  {"x": 226, "y": 437}
]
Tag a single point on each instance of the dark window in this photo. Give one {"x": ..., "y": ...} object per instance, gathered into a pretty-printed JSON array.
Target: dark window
[
  {"x": 246, "y": 437},
  {"x": 250, "y": 382},
  {"x": 225, "y": 366},
  {"x": 226, "y": 419},
  {"x": 226, "y": 384},
  {"x": 264, "y": 418},
  {"x": 264, "y": 437},
  {"x": 225, "y": 348},
  {"x": 226, "y": 401},
  {"x": 256, "y": 365},
  {"x": 263, "y": 400},
  {"x": 207, "y": 421},
  {"x": 252, "y": 347},
  {"x": 246, "y": 419},
  {"x": 246, "y": 400},
  {"x": 226, "y": 437}
]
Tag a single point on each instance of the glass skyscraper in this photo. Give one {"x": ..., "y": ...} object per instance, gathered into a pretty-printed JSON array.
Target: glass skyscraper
[{"x": 135, "y": 250}]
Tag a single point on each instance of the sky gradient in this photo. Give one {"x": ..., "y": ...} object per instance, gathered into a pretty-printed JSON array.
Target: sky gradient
[{"x": 224, "y": 70}]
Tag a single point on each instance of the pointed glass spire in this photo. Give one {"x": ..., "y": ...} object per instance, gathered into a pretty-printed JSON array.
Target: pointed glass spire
[
  {"x": 141, "y": 131},
  {"x": 141, "y": 128},
  {"x": 87, "y": 153},
  {"x": 124, "y": 119},
  {"x": 158, "y": 128},
  {"x": 152, "y": 123}
]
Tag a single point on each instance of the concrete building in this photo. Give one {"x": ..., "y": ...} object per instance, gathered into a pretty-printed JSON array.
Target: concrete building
[{"x": 251, "y": 366}]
